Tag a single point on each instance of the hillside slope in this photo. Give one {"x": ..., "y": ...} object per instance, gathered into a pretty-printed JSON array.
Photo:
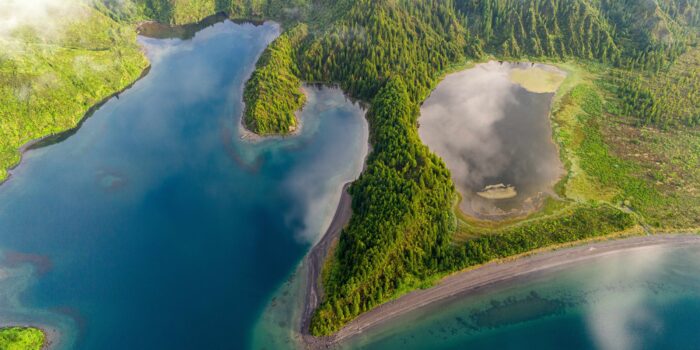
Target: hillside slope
[{"x": 51, "y": 76}]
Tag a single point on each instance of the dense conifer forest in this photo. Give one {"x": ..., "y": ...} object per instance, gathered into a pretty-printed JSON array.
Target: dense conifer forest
[
  {"x": 402, "y": 223},
  {"x": 272, "y": 94},
  {"x": 391, "y": 54}
]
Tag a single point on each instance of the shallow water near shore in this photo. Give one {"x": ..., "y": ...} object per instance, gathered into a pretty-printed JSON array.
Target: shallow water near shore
[
  {"x": 490, "y": 124},
  {"x": 155, "y": 226},
  {"x": 646, "y": 298}
]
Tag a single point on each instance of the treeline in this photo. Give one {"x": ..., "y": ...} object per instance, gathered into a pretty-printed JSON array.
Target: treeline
[
  {"x": 687, "y": 11},
  {"x": 401, "y": 230},
  {"x": 652, "y": 38},
  {"x": 49, "y": 81},
  {"x": 584, "y": 222},
  {"x": 188, "y": 11},
  {"x": 374, "y": 39},
  {"x": 402, "y": 222},
  {"x": 539, "y": 28},
  {"x": 400, "y": 234},
  {"x": 273, "y": 93},
  {"x": 669, "y": 98},
  {"x": 626, "y": 33},
  {"x": 401, "y": 226}
]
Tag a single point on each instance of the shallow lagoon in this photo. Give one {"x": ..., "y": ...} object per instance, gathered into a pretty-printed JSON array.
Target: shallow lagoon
[
  {"x": 490, "y": 124},
  {"x": 155, "y": 226}
]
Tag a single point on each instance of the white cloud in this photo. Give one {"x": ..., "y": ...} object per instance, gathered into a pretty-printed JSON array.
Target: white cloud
[
  {"x": 616, "y": 319},
  {"x": 44, "y": 17}
]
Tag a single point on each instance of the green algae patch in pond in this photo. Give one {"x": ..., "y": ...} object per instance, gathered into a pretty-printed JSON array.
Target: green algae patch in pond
[
  {"x": 491, "y": 125},
  {"x": 538, "y": 78}
]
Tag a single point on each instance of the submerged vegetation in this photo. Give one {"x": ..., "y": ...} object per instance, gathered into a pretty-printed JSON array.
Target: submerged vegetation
[
  {"x": 21, "y": 338},
  {"x": 625, "y": 119}
]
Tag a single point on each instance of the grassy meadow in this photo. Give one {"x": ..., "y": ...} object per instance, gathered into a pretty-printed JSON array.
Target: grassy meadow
[{"x": 50, "y": 79}]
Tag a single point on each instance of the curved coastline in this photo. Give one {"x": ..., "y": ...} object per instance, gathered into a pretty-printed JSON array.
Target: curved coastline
[
  {"x": 464, "y": 283},
  {"x": 314, "y": 260},
  {"x": 51, "y": 139}
]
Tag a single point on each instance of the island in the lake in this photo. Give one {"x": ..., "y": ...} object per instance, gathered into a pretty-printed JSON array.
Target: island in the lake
[{"x": 496, "y": 129}]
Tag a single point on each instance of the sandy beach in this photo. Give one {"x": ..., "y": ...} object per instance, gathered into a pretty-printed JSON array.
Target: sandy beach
[
  {"x": 463, "y": 283},
  {"x": 313, "y": 264}
]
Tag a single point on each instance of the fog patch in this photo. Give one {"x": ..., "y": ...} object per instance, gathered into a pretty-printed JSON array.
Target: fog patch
[{"x": 44, "y": 19}]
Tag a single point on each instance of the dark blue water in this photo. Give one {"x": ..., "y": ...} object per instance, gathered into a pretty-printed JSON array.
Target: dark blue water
[
  {"x": 155, "y": 226},
  {"x": 642, "y": 299}
]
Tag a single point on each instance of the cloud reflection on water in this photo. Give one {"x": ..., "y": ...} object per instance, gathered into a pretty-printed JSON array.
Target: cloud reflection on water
[
  {"x": 617, "y": 319},
  {"x": 490, "y": 130},
  {"x": 311, "y": 182}
]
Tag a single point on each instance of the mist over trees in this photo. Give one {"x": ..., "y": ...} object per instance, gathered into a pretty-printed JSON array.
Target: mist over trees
[{"x": 390, "y": 54}]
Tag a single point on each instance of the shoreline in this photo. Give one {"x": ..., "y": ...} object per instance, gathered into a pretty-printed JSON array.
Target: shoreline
[
  {"x": 467, "y": 282},
  {"x": 313, "y": 265},
  {"x": 51, "y": 139},
  {"x": 250, "y": 136},
  {"x": 62, "y": 135}
]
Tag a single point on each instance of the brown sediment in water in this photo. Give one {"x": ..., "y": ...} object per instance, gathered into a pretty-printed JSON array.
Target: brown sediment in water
[{"x": 41, "y": 263}]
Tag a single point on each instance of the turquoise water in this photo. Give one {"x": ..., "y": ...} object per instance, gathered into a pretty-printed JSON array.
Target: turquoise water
[
  {"x": 642, "y": 299},
  {"x": 155, "y": 226}
]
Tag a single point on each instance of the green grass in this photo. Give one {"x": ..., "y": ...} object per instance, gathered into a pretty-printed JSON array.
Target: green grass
[
  {"x": 21, "y": 338},
  {"x": 401, "y": 234},
  {"x": 48, "y": 83},
  {"x": 578, "y": 223}
]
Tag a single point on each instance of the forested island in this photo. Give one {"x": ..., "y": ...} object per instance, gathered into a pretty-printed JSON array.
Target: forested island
[{"x": 625, "y": 119}]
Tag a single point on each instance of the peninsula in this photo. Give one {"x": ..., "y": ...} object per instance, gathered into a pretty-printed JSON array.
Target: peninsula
[{"x": 625, "y": 123}]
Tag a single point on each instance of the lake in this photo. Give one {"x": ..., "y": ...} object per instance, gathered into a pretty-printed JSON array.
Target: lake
[
  {"x": 155, "y": 226},
  {"x": 490, "y": 124}
]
